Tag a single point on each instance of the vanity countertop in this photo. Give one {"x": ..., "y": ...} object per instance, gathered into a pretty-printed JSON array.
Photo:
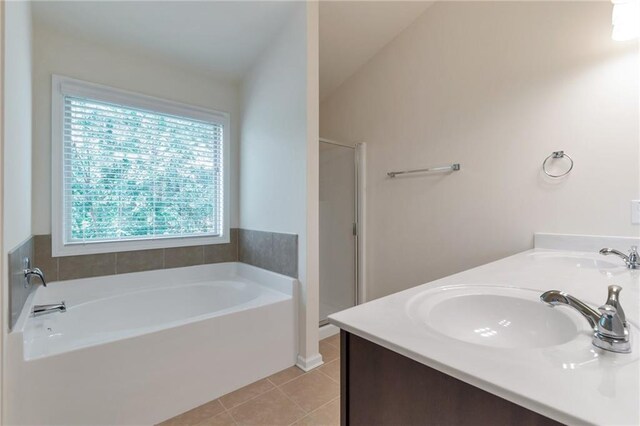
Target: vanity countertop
[{"x": 573, "y": 382}]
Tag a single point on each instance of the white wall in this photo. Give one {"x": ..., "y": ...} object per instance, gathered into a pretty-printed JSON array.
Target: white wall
[
  {"x": 273, "y": 151},
  {"x": 17, "y": 124},
  {"x": 496, "y": 86},
  {"x": 16, "y": 145},
  {"x": 56, "y": 53}
]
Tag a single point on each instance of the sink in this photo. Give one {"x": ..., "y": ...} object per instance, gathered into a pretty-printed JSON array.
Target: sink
[{"x": 499, "y": 317}]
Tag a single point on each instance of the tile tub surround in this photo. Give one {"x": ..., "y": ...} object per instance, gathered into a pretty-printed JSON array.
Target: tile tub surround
[
  {"x": 95, "y": 265},
  {"x": 18, "y": 293},
  {"x": 290, "y": 396},
  {"x": 268, "y": 250},
  {"x": 273, "y": 251}
]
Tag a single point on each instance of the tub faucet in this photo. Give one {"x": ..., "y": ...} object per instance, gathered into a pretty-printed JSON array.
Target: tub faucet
[
  {"x": 609, "y": 323},
  {"x": 48, "y": 309},
  {"x": 37, "y": 272},
  {"x": 632, "y": 260}
]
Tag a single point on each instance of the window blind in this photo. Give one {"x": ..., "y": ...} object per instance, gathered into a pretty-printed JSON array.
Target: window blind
[{"x": 131, "y": 174}]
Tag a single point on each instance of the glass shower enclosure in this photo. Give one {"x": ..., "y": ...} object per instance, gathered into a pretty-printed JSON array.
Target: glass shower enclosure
[{"x": 338, "y": 228}]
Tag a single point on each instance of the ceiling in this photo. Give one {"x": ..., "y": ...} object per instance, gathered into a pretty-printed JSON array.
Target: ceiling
[
  {"x": 224, "y": 37},
  {"x": 227, "y": 37},
  {"x": 352, "y": 32}
]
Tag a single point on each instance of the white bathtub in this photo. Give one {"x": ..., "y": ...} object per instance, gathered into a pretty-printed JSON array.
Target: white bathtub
[{"x": 140, "y": 348}]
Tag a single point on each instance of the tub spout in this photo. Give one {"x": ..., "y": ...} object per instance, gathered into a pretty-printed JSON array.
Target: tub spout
[{"x": 39, "y": 310}]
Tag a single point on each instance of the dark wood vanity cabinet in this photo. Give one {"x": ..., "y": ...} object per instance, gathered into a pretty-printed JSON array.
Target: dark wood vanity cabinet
[{"x": 382, "y": 387}]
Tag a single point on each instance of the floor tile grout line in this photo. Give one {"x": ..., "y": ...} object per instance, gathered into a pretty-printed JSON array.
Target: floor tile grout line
[
  {"x": 247, "y": 400},
  {"x": 328, "y": 362},
  {"x": 202, "y": 420},
  {"x": 225, "y": 411},
  {"x": 268, "y": 390},
  {"x": 329, "y": 377},
  {"x": 253, "y": 397},
  {"x": 324, "y": 405},
  {"x": 306, "y": 413},
  {"x": 331, "y": 344},
  {"x": 278, "y": 387},
  {"x": 295, "y": 403},
  {"x": 304, "y": 373},
  {"x": 271, "y": 381},
  {"x": 233, "y": 419},
  {"x": 316, "y": 409},
  {"x": 291, "y": 380}
]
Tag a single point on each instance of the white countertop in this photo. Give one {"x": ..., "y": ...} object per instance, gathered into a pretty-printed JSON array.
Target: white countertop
[{"x": 573, "y": 383}]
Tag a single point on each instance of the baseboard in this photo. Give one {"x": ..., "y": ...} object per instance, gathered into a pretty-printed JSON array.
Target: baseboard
[
  {"x": 327, "y": 330},
  {"x": 308, "y": 364}
]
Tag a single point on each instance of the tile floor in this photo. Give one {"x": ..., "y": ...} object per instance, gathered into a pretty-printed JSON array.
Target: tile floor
[{"x": 290, "y": 397}]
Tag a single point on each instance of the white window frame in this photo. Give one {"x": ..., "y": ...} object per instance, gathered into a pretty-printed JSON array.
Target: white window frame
[{"x": 62, "y": 86}]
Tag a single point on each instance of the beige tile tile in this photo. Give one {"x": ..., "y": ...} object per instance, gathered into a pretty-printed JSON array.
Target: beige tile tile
[
  {"x": 311, "y": 390},
  {"x": 332, "y": 369},
  {"x": 327, "y": 415},
  {"x": 255, "y": 247},
  {"x": 328, "y": 351},
  {"x": 139, "y": 260},
  {"x": 285, "y": 254},
  {"x": 285, "y": 375},
  {"x": 333, "y": 340},
  {"x": 216, "y": 253},
  {"x": 92, "y": 265},
  {"x": 271, "y": 408},
  {"x": 178, "y": 257},
  {"x": 222, "y": 419},
  {"x": 42, "y": 257},
  {"x": 243, "y": 394},
  {"x": 197, "y": 415}
]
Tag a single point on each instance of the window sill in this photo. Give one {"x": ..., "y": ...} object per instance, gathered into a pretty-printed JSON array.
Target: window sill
[{"x": 59, "y": 249}]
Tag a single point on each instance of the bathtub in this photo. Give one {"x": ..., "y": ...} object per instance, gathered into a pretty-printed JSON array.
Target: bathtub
[{"x": 142, "y": 347}]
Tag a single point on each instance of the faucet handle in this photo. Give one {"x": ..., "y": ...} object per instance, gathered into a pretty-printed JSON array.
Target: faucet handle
[
  {"x": 611, "y": 323},
  {"x": 613, "y": 300},
  {"x": 34, "y": 271},
  {"x": 608, "y": 311},
  {"x": 613, "y": 293}
]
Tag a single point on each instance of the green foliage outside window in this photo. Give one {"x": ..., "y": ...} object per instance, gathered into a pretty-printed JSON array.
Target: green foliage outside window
[{"x": 136, "y": 174}]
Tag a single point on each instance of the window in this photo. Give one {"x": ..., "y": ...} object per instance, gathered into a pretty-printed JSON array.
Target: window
[{"x": 133, "y": 172}]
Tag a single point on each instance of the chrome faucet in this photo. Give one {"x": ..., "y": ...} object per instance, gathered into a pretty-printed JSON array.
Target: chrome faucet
[
  {"x": 48, "y": 309},
  {"x": 609, "y": 323},
  {"x": 632, "y": 260},
  {"x": 37, "y": 272}
]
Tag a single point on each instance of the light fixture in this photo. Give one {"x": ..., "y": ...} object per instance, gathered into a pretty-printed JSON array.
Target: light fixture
[{"x": 625, "y": 20}]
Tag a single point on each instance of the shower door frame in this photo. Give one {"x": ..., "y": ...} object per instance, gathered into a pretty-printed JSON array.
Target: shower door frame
[{"x": 359, "y": 157}]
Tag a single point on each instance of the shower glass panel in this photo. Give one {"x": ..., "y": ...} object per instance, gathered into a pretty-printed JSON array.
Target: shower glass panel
[{"x": 337, "y": 219}]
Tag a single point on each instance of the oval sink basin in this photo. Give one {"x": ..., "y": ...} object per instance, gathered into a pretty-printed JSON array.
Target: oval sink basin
[{"x": 499, "y": 317}]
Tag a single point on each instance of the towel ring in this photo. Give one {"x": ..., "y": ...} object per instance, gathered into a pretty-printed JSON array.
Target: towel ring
[{"x": 555, "y": 155}]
